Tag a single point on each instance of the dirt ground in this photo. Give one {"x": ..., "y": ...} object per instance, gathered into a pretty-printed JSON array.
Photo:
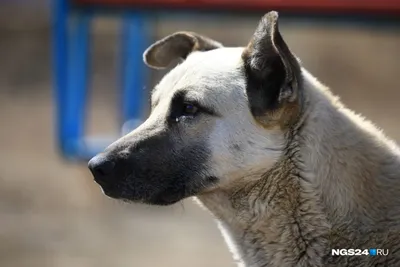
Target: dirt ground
[{"x": 51, "y": 212}]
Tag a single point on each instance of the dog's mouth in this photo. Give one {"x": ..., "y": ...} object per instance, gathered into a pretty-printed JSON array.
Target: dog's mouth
[
  {"x": 133, "y": 195},
  {"x": 107, "y": 189},
  {"x": 140, "y": 193},
  {"x": 166, "y": 199}
]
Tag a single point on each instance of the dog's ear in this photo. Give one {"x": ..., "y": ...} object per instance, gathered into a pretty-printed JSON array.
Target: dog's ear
[
  {"x": 176, "y": 46},
  {"x": 272, "y": 71}
]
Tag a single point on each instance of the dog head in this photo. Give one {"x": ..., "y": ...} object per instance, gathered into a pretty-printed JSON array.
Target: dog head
[{"x": 220, "y": 114}]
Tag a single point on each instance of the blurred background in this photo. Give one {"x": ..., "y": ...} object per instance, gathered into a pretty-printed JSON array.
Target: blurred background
[{"x": 52, "y": 213}]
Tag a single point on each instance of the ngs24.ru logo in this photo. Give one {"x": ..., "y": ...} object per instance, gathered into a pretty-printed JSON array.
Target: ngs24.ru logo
[{"x": 360, "y": 252}]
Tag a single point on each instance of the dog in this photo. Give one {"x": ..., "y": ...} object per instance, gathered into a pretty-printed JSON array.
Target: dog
[{"x": 288, "y": 171}]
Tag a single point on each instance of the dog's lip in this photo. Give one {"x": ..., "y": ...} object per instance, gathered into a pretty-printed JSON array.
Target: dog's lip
[
  {"x": 100, "y": 182},
  {"x": 165, "y": 199},
  {"x": 164, "y": 202},
  {"x": 101, "y": 187},
  {"x": 105, "y": 189}
]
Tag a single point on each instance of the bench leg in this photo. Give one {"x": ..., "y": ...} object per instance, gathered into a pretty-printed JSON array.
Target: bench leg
[
  {"x": 134, "y": 72},
  {"x": 70, "y": 46},
  {"x": 77, "y": 85},
  {"x": 60, "y": 57}
]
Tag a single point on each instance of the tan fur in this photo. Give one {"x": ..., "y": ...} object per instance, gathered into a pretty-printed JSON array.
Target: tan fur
[{"x": 337, "y": 186}]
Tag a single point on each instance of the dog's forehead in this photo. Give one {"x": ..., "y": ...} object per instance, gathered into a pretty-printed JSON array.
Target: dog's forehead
[{"x": 216, "y": 71}]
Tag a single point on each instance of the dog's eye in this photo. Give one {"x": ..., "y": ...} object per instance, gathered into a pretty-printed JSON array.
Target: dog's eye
[
  {"x": 189, "y": 109},
  {"x": 184, "y": 110}
]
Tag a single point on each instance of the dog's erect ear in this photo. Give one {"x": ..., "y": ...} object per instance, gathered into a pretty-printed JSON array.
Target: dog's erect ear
[
  {"x": 177, "y": 45},
  {"x": 273, "y": 72}
]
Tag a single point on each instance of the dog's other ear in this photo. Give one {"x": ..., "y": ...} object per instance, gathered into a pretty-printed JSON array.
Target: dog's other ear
[
  {"x": 176, "y": 46},
  {"x": 272, "y": 71}
]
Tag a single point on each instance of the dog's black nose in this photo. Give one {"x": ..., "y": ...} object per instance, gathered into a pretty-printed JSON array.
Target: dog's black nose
[{"x": 101, "y": 167}]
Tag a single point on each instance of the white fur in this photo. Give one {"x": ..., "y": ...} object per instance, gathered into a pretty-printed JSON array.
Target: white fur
[{"x": 216, "y": 78}]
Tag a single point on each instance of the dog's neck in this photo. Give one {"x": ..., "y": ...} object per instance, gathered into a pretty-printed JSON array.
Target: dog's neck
[
  {"x": 273, "y": 220},
  {"x": 325, "y": 181}
]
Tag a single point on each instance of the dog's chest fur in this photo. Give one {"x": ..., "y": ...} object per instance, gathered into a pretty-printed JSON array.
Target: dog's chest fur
[{"x": 277, "y": 220}]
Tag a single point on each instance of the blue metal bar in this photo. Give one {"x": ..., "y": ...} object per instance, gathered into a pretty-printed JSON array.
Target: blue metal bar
[
  {"x": 70, "y": 61},
  {"x": 134, "y": 73},
  {"x": 60, "y": 61},
  {"x": 73, "y": 120}
]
